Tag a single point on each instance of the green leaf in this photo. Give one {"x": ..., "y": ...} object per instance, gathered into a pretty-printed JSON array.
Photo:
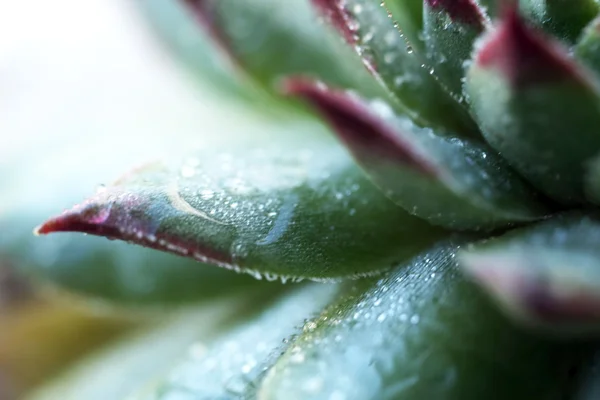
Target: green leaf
[
  {"x": 547, "y": 275},
  {"x": 563, "y": 18},
  {"x": 421, "y": 332},
  {"x": 368, "y": 29},
  {"x": 235, "y": 363},
  {"x": 455, "y": 183},
  {"x": 450, "y": 29},
  {"x": 270, "y": 39},
  {"x": 280, "y": 200},
  {"x": 536, "y": 107},
  {"x": 38, "y": 178},
  {"x": 587, "y": 49},
  {"x": 408, "y": 19}
]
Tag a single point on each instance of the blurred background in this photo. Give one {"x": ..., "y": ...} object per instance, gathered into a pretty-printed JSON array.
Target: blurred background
[{"x": 89, "y": 90}]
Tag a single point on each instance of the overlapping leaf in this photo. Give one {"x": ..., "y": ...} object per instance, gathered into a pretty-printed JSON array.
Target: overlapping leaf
[
  {"x": 452, "y": 182},
  {"x": 368, "y": 29},
  {"x": 421, "y": 332},
  {"x": 536, "y": 107},
  {"x": 546, "y": 275},
  {"x": 270, "y": 39}
]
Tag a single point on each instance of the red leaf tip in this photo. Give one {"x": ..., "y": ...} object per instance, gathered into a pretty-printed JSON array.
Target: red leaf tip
[
  {"x": 364, "y": 132},
  {"x": 523, "y": 56},
  {"x": 464, "y": 11}
]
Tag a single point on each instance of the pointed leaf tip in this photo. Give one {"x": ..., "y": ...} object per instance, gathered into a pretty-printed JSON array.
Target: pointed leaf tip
[
  {"x": 119, "y": 218},
  {"x": 448, "y": 181},
  {"x": 544, "y": 276},
  {"x": 523, "y": 56},
  {"x": 356, "y": 126},
  {"x": 463, "y": 11}
]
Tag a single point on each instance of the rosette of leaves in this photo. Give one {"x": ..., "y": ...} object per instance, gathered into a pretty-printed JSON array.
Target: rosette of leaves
[{"x": 451, "y": 195}]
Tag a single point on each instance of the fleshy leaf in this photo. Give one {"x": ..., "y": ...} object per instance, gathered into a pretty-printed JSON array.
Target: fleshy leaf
[
  {"x": 451, "y": 182},
  {"x": 450, "y": 29},
  {"x": 408, "y": 18},
  {"x": 587, "y": 49},
  {"x": 547, "y": 275},
  {"x": 563, "y": 18},
  {"x": 538, "y": 108},
  {"x": 421, "y": 332},
  {"x": 270, "y": 39},
  {"x": 368, "y": 29},
  {"x": 93, "y": 266},
  {"x": 234, "y": 365},
  {"x": 289, "y": 204}
]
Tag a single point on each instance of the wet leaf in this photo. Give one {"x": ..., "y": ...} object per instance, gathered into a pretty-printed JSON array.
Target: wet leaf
[
  {"x": 408, "y": 19},
  {"x": 386, "y": 54},
  {"x": 563, "y": 18},
  {"x": 276, "y": 200},
  {"x": 536, "y": 107},
  {"x": 450, "y": 29},
  {"x": 38, "y": 179},
  {"x": 233, "y": 365},
  {"x": 421, "y": 332},
  {"x": 455, "y": 183},
  {"x": 270, "y": 39},
  {"x": 546, "y": 275}
]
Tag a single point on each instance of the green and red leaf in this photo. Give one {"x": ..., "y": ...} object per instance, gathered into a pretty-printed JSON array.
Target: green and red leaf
[
  {"x": 386, "y": 54},
  {"x": 546, "y": 275},
  {"x": 536, "y": 106},
  {"x": 455, "y": 183},
  {"x": 289, "y": 204}
]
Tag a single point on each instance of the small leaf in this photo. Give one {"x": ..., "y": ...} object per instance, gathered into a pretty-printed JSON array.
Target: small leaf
[
  {"x": 408, "y": 19},
  {"x": 233, "y": 365},
  {"x": 450, "y": 29},
  {"x": 421, "y": 332},
  {"x": 271, "y": 39},
  {"x": 451, "y": 182},
  {"x": 546, "y": 275},
  {"x": 368, "y": 29},
  {"x": 288, "y": 204},
  {"x": 563, "y": 18},
  {"x": 536, "y": 107},
  {"x": 587, "y": 49}
]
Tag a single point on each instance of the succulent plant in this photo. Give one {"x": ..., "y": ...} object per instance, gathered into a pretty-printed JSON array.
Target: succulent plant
[{"x": 444, "y": 199}]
